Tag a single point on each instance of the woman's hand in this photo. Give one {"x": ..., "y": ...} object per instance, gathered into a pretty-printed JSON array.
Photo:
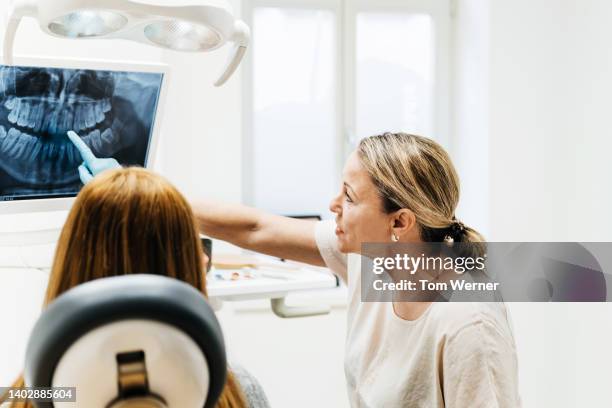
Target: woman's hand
[{"x": 92, "y": 166}]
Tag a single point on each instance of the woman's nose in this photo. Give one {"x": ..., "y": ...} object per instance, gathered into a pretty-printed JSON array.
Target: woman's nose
[{"x": 334, "y": 205}]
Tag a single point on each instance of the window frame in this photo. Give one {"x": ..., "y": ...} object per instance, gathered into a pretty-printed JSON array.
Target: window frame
[{"x": 345, "y": 12}]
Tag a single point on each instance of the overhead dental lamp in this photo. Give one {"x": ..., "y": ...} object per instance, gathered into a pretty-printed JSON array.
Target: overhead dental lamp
[{"x": 190, "y": 28}]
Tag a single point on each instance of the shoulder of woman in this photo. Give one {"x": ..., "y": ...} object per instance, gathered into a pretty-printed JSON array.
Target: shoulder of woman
[
  {"x": 327, "y": 242},
  {"x": 480, "y": 362},
  {"x": 455, "y": 317}
]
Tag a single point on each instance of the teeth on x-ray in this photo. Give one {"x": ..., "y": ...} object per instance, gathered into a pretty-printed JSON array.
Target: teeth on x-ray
[
  {"x": 45, "y": 116},
  {"x": 22, "y": 146},
  {"x": 38, "y": 106},
  {"x": 44, "y": 159},
  {"x": 10, "y": 141}
]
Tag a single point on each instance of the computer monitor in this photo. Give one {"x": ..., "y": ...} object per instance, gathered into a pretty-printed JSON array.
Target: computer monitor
[{"x": 114, "y": 106}]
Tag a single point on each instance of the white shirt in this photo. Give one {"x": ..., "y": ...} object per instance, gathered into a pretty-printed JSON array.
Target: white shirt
[{"x": 454, "y": 355}]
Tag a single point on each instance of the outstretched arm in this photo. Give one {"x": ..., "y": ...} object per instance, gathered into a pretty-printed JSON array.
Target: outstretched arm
[{"x": 252, "y": 229}]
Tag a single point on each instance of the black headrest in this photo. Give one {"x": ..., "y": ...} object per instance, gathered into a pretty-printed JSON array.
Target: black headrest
[{"x": 103, "y": 301}]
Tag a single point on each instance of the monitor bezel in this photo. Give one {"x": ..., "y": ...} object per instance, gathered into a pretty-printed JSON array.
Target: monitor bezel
[{"x": 63, "y": 204}]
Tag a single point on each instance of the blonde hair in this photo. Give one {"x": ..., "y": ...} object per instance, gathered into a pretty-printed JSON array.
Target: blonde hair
[
  {"x": 130, "y": 221},
  {"x": 416, "y": 173}
]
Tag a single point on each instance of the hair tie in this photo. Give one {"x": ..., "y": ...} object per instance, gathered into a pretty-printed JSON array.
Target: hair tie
[
  {"x": 456, "y": 230},
  {"x": 458, "y": 226}
]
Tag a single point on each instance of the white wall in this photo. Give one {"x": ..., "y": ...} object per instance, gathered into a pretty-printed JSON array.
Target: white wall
[
  {"x": 469, "y": 146},
  {"x": 542, "y": 117},
  {"x": 589, "y": 56},
  {"x": 529, "y": 120},
  {"x": 530, "y": 95}
]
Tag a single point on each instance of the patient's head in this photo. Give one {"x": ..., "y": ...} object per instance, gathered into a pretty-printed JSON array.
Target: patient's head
[
  {"x": 132, "y": 221},
  {"x": 123, "y": 222}
]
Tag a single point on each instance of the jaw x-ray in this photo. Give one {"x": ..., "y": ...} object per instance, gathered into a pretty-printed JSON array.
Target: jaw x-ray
[{"x": 113, "y": 112}]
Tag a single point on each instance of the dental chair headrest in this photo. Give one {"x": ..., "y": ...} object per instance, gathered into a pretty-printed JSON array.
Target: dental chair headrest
[{"x": 135, "y": 340}]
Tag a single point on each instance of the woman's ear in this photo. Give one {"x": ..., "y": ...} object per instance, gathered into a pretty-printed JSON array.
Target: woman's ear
[{"x": 403, "y": 223}]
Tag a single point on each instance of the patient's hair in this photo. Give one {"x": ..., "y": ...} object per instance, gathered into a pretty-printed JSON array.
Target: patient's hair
[{"x": 130, "y": 221}]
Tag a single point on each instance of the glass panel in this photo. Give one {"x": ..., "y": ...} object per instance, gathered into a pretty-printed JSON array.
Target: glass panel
[
  {"x": 395, "y": 73},
  {"x": 294, "y": 122}
]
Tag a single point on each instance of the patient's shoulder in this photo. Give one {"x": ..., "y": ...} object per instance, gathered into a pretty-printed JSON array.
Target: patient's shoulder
[{"x": 252, "y": 389}]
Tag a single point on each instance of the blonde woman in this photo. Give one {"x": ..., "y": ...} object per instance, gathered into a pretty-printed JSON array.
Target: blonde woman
[
  {"x": 396, "y": 188},
  {"x": 133, "y": 221}
]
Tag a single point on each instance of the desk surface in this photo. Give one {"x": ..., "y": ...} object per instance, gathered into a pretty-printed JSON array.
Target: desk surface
[
  {"x": 300, "y": 280},
  {"x": 303, "y": 279}
]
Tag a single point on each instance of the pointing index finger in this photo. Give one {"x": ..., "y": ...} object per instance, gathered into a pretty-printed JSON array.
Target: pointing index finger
[{"x": 85, "y": 151}]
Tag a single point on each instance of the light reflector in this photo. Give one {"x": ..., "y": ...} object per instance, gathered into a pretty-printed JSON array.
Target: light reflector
[
  {"x": 88, "y": 23},
  {"x": 182, "y": 36}
]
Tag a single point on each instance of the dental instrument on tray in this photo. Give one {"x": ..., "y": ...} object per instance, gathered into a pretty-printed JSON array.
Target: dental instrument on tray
[
  {"x": 249, "y": 274},
  {"x": 240, "y": 267}
]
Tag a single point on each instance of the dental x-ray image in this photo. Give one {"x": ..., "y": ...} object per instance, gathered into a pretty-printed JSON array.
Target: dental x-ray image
[{"x": 113, "y": 112}]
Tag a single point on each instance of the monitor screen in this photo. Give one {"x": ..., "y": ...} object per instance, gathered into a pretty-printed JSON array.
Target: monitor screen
[{"x": 112, "y": 111}]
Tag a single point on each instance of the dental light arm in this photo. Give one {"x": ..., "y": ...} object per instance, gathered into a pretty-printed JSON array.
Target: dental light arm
[
  {"x": 181, "y": 28},
  {"x": 241, "y": 40}
]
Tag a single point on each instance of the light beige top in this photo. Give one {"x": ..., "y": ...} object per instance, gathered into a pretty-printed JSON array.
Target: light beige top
[{"x": 454, "y": 355}]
